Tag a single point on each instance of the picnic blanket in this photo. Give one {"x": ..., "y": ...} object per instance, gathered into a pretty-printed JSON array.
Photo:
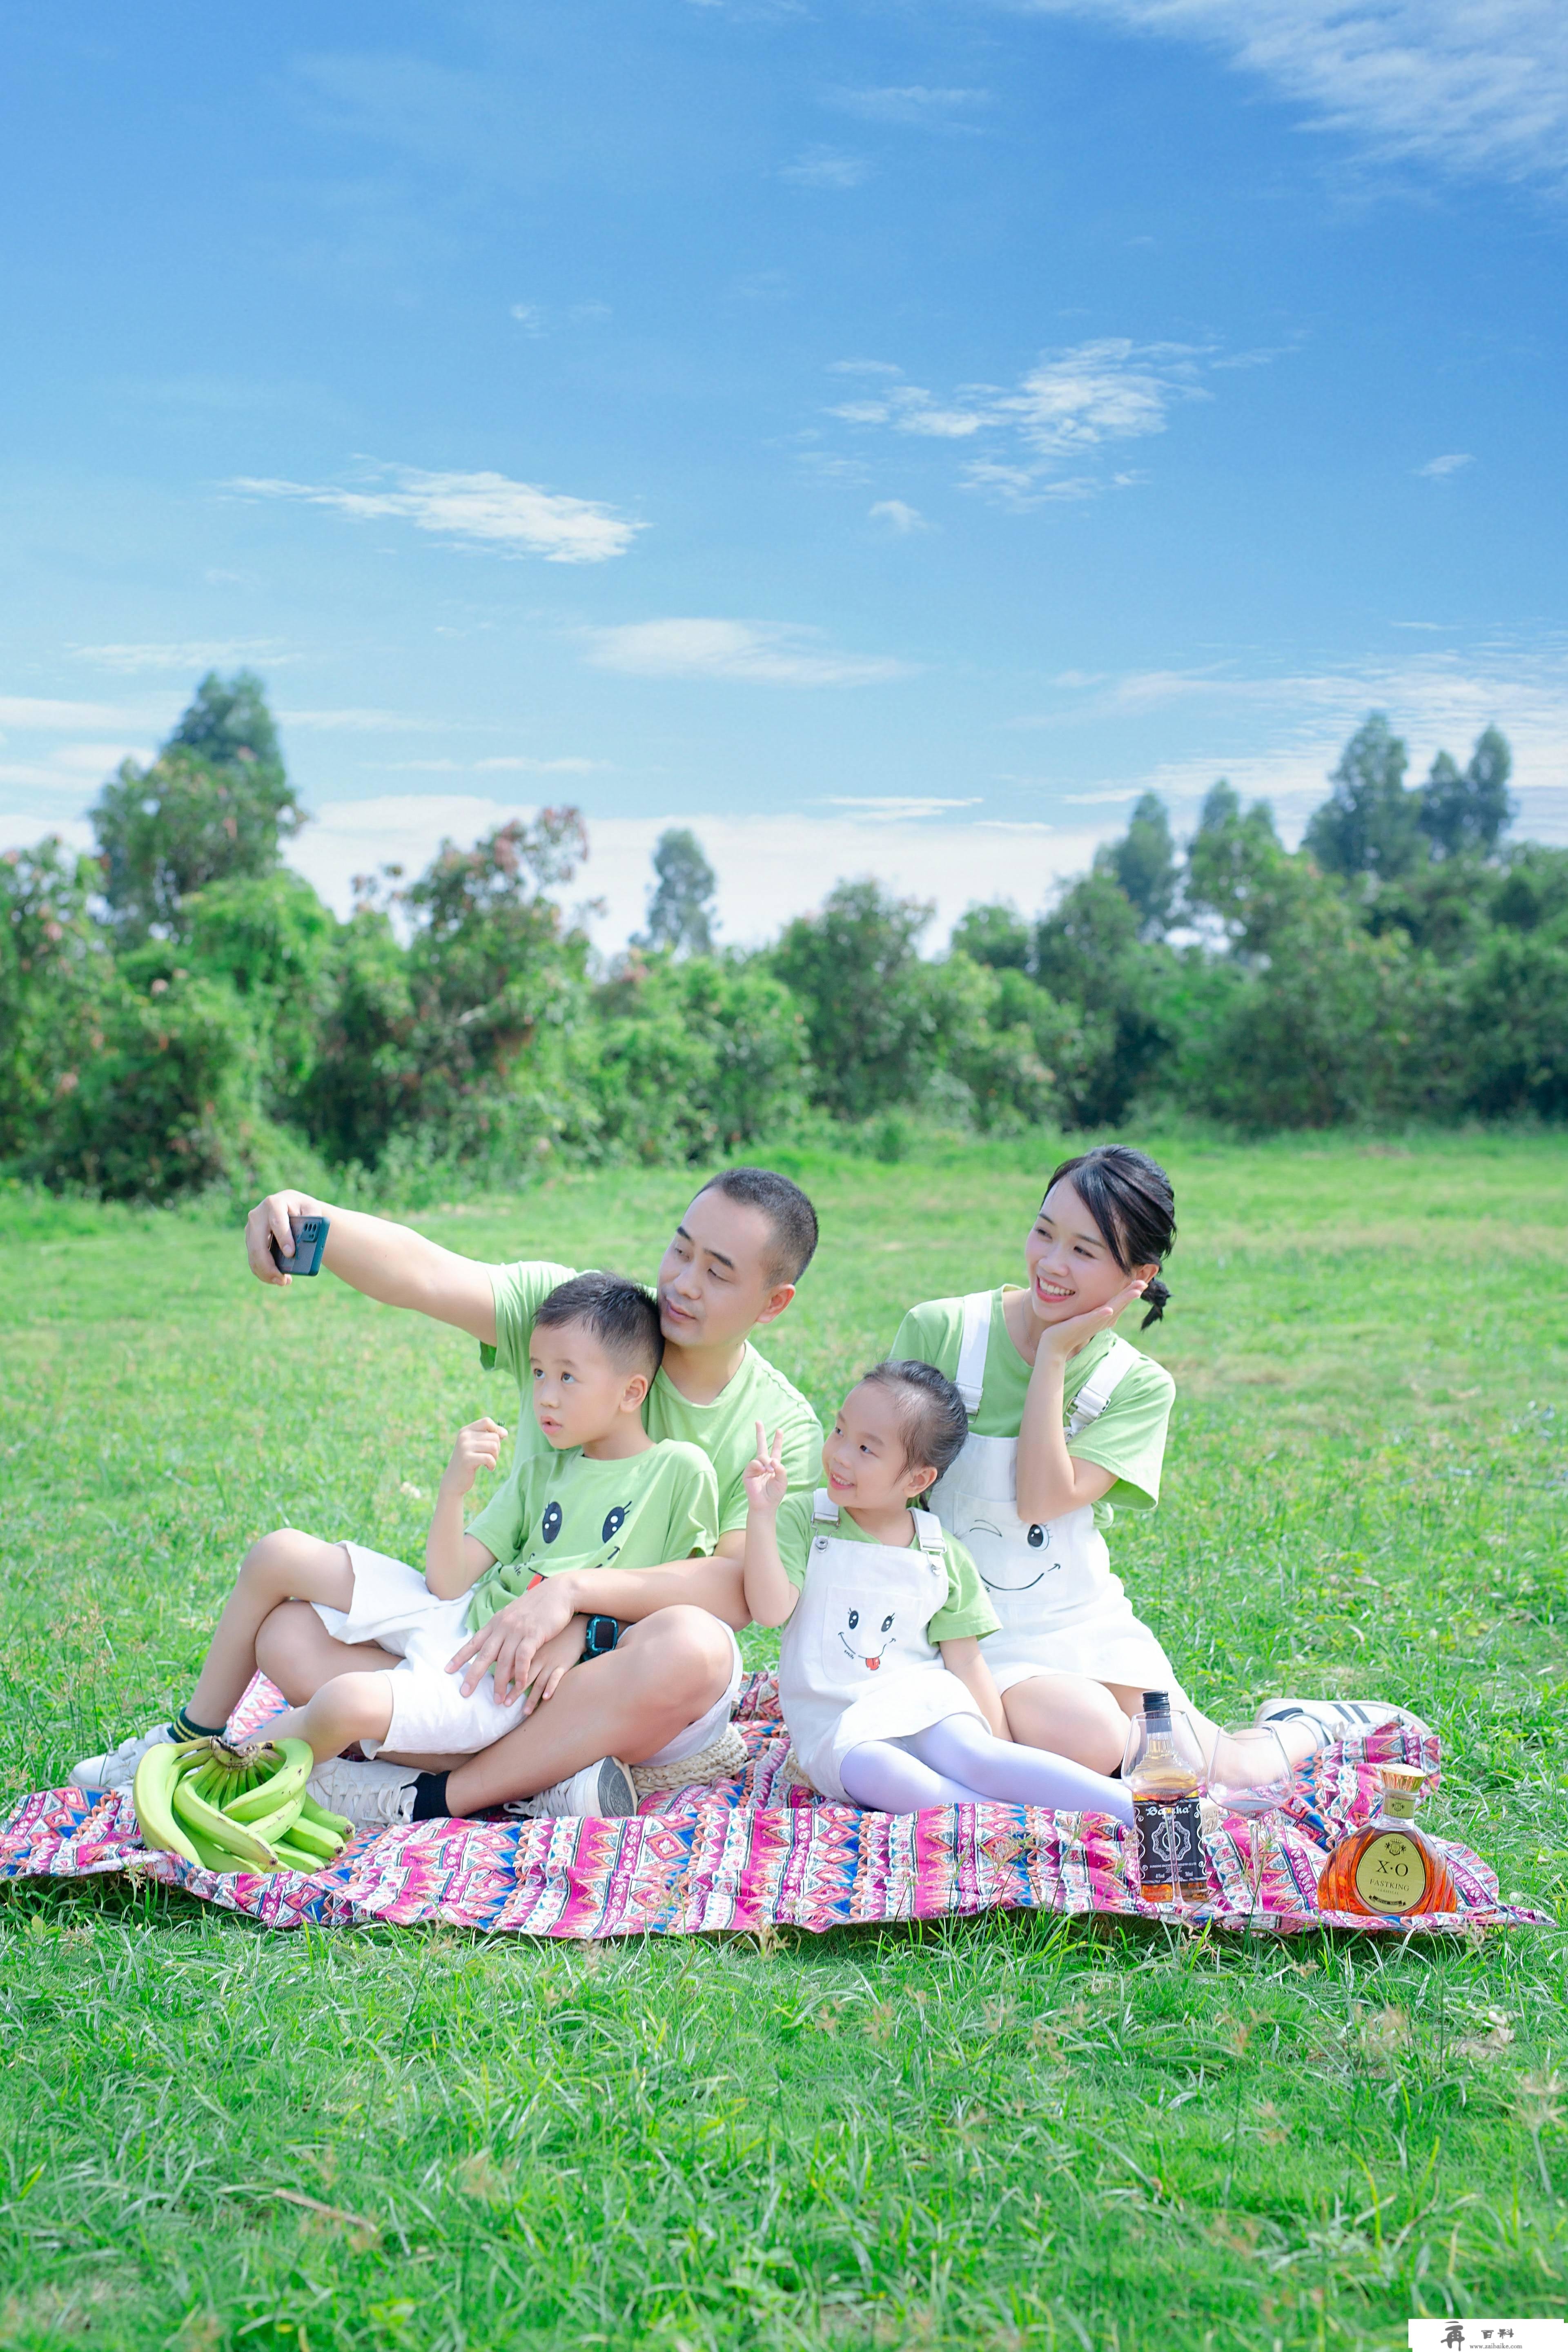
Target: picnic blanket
[{"x": 760, "y": 1851}]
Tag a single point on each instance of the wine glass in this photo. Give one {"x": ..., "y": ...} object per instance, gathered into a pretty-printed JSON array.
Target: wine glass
[{"x": 1250, "y": 1773}]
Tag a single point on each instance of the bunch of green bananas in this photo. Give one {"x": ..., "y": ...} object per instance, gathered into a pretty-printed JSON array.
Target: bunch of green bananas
[{"x": 236, "y": 1808}]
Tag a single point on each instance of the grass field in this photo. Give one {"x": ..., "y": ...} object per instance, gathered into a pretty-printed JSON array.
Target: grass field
[{"x": 1004, "y": 2133}]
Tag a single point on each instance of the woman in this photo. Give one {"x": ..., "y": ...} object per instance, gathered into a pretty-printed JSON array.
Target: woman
[{"x": 1067, "y": 1425}]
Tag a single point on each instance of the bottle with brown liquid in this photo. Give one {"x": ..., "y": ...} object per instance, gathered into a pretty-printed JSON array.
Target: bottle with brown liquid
[
  {"x": 1162, "y": 1769},
  {"x": 1389, "y": 1869}
]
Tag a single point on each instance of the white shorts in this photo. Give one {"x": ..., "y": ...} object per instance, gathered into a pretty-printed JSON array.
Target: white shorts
[{"x": 394, "y": 1607}]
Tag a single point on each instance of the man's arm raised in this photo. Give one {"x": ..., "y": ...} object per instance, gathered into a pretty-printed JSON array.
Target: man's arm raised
[{"x": 391, "y": 1263}]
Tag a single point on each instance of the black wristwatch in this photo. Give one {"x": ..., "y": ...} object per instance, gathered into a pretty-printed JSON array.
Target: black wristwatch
[{"x": 599, "y": 1638}]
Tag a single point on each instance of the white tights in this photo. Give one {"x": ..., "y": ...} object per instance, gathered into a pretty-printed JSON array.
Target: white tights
[{"x": 959, "y": 1762}]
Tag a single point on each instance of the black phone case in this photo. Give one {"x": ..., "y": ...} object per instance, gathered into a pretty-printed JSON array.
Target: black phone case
[{"x": 310, "y": 1242}]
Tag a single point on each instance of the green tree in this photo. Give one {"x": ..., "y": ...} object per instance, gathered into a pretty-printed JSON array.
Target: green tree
[
  {"x": 1369, "y": 824},
  {"x": 229, "y": 727},
  {"x": 1240, "y": 871},
  {"x": 856, "y": 968},
  {"x": 55, "y": 973},
  {"x": 1144, "y": 863},
  {"x": 215, "y": 802},
  {"x": 996, "y": 935},
  {"x": 680, "y": 909},
  {"x": 1088, "y": 953},
  {"x": 1465, "y": 811},
  {"x": 702, "y": 1054}
]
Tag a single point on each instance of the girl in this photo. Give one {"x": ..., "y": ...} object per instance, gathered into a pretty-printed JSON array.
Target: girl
[
  {"x": 1067, "y": 1425},
  {"x": 888, "y": 1701}
]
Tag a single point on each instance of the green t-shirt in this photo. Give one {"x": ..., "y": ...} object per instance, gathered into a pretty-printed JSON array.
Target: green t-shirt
[
  {"x": 561, "y": 1510},
  {"x": 1128, "y": 1438},
  {"x": 725, "y": 1430},
  {"x": 967, "y": 1608}
]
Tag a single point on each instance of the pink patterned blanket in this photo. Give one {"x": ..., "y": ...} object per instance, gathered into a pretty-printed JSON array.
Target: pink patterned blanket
[{"x": 749, "y": 1854}]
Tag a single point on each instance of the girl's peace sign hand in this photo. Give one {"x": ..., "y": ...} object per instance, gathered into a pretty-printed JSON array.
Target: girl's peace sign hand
[
  {"x": 1062, "y": 1341},
  {"x": 766, "y": 1478}
]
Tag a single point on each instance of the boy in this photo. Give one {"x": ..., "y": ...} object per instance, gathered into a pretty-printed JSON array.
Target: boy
[
  {"x": 603, "y": 1492},
  {"x": 732, "y": 1265}
]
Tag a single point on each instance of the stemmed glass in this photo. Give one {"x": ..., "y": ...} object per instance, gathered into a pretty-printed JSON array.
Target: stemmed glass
[{"x": 1250, "y": 1773}]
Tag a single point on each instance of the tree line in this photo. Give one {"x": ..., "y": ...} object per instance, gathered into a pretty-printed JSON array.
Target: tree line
[{"x": 178, "y": 1008}]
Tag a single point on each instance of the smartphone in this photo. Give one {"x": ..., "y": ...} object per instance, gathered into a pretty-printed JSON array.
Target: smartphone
[{"x": 310, "y": 1235}]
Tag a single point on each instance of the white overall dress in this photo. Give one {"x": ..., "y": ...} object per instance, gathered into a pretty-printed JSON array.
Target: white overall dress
[
  {"x": 1062, "y": 1610},
  {"x": 855, "y": 1662}
]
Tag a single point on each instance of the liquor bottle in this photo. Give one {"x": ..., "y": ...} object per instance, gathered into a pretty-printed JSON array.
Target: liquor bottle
[
  {"x": 1162, "y": 1769},
  {"x": 1389, "y": 1869}
]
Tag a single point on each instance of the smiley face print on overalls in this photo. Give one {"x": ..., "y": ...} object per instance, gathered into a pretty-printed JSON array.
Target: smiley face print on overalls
[
  {"x": 1005, "y": 1564},
  {"x": 864, "y": 1640}
]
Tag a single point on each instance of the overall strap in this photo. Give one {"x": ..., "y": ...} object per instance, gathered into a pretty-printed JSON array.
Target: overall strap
[
  {"x": 929, "y": 1534},
  {"x": 971, "y": 1376},
  {"x": 823, "y": 1506},
  {"x": 1101, "y": 1384}
]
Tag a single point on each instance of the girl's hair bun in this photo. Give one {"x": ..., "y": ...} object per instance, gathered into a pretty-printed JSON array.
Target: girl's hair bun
[{"x": 1156, "y": 1299}]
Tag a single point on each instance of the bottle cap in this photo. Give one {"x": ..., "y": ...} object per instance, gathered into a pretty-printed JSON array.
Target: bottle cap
[
  {"x": 1156, "y": 1701},
  {"x": 1403, "y": 1781}
]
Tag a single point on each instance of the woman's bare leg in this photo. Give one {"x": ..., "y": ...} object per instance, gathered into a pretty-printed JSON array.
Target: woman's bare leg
[
  {"x": 283, "y": 1566},
  {"x": 1073, "y": 1716}
]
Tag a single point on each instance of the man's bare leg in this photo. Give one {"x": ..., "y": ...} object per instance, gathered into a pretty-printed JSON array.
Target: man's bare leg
[{"x": 665, "y": 1672}]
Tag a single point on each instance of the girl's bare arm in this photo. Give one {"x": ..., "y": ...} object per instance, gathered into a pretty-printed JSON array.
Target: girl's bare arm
[{"x": 963, "y": 1657}]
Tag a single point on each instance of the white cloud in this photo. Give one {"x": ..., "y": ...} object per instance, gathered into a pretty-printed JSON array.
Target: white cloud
[
  {"x": 54, "y": 718},
  {"x": 825, "y": 167},
  {"x": 900, "y": 519},
  {"x": 1438, "y": 469},
  {"x": 1470, "y": 86},
  {"x": 358, "y": 722},
  {"x": 194, "y": 654},
  {"x": 768, "y": 654},
  {"x": 897, "y": 805},
  {"x": 911, "y": 104},
  {"x": 769, "y": 868},
  {"x": 909, "y": 408},
  {"x": 523, "y": 762},
  {"x": 487, "y": 511},
  {"x": 537, "y": 320},
  {"x": 1069, "y": 407}
]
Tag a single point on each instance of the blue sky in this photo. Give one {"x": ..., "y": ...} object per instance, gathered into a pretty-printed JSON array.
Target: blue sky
[{"x": 889, "y": 436}]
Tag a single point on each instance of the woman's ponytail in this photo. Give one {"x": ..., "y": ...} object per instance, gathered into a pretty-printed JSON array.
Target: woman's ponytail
[{"x": 1156, "y": 1299}]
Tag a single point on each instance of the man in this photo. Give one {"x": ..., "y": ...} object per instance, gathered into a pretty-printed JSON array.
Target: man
[{"x": 664, "y": 1692}]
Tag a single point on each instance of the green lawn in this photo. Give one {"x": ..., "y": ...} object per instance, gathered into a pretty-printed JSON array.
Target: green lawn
[{"x": 1003, "y": 2133}]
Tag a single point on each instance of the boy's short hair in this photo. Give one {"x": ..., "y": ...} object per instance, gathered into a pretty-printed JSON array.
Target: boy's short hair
[
  {"x": 787, "y": 1209},
  {"x": 622, "y": 1316}
]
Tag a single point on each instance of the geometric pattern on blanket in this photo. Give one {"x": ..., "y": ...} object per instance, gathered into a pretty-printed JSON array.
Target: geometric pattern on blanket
[{"x": 761, "y": 1852}]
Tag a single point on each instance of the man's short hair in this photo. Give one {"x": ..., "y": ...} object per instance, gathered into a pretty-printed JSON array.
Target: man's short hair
[
  {"x": 621, "y": 1315},
  {"x": 788, "y": 1212}
]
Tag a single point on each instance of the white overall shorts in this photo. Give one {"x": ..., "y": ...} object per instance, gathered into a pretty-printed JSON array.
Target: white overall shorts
[
  {"x": 1062, "y": 1610},
  {"x": 855, "y": 1662}
]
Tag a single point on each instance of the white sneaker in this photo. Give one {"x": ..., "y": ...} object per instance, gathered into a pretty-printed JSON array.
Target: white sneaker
[
  {"x": 118, "y": 1769},
  {"x": 1338, "y": 1718},
  {"x": 602, "y": 1791},
  {"x": 371, "y": 1796}
]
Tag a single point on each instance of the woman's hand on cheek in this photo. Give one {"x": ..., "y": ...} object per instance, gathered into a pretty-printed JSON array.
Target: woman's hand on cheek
[{"x": 1059, "y": 1343}]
